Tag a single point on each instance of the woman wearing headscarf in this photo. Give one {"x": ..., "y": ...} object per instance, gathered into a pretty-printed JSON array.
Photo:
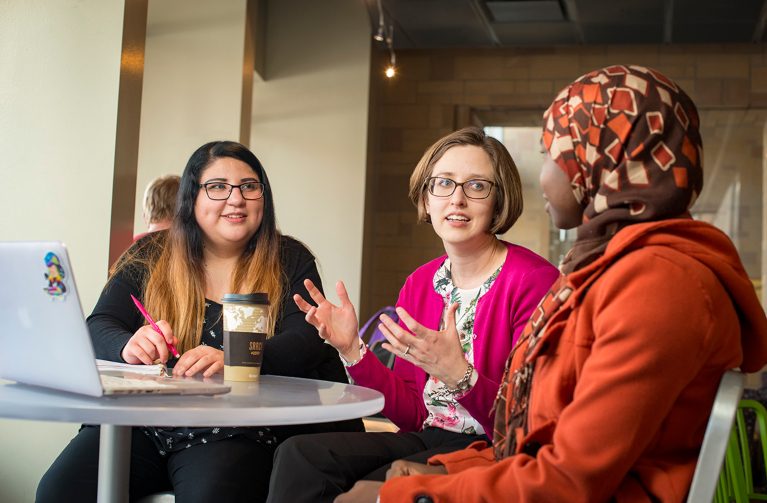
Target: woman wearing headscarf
[{"x": 607, "y": 394}]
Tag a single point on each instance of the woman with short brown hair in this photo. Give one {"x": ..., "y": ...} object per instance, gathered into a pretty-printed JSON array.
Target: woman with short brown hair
[{"x": 459, "y": 316}]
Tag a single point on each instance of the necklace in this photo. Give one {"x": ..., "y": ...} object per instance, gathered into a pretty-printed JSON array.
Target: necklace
[{"x": 483, "y": 272}]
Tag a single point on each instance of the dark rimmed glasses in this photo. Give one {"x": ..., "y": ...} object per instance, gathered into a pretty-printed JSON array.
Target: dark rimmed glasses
[
  {"x": 473, "y": 189},
  {"x": 219, "y": 191}
]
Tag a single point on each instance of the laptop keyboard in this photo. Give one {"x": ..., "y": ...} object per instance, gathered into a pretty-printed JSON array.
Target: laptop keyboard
[{"x": 110, "y": 383}]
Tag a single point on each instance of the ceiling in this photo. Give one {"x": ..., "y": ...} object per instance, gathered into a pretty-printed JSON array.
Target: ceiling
[{"x": 508, "y": 23}]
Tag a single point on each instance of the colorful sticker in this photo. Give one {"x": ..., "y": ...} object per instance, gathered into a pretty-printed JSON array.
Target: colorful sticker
[{"x": 55, "y": 276}]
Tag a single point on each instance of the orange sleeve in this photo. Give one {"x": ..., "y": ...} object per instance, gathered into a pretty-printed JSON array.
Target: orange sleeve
[
  {"x": 651, "y": 341},
  {"x": 477, "y": 454}
]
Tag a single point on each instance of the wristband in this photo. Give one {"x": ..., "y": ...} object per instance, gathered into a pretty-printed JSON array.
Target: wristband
[{"x": 363, "y": 350}]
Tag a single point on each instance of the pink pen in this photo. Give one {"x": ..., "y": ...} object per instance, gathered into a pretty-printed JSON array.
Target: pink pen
[{"x": 153, "y": 324}]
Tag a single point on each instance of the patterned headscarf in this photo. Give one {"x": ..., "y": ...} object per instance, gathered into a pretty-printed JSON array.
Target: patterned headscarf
[{"x": 627, "y": 137}]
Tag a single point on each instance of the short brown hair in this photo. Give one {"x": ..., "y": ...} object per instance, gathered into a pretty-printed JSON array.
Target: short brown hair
[
  {"x": 508, "y": 206},
  {"x": 160, "y": 198}
]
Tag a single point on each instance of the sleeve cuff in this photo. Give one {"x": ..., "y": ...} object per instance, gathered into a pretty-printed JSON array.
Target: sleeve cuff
[
  {"x": 363, "y": 350},
  {"x": 476, "y": 454}
]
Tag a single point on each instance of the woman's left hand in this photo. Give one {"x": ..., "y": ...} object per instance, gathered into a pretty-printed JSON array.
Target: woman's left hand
[
  {"x": 364, "y": 491},
  {"x": 198, "y": 359},
  {"x": 438, "y": 353}
]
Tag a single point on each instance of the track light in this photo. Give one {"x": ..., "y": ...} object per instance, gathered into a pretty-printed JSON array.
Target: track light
[
  {"x": 390, "y": 70},
  {"x": 387, "y": 35}
]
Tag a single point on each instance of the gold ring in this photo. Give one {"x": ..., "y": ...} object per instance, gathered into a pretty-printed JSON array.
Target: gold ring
[{"x": 408, "y": 349}]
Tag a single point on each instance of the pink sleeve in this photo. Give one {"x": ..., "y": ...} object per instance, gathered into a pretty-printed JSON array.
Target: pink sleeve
[{"x": 404, "y": 396}]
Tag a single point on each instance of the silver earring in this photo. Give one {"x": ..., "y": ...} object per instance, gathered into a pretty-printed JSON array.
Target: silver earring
[{"x": 427, "y": 212}]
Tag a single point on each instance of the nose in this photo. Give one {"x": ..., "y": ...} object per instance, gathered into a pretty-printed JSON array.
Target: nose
[
  {"x": 459, "y": 196},
  {"x": 235, "y": 197}
]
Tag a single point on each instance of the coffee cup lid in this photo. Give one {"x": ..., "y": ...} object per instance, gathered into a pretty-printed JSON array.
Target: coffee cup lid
[{"x": 249, "y": 298}]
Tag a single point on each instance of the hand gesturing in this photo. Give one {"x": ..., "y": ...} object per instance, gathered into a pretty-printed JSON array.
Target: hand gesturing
[
  {"x": 337, "y": 325},
  {"x": 438, "y": 353}
]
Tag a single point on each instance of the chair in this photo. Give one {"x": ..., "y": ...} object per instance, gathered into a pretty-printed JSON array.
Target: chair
[
  {"x": 715, "y": 441},
  {"x": 737, "y": 479},
  {"x": 163, "y": 497}
]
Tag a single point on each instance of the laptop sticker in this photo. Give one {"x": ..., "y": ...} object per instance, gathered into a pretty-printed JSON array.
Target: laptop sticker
[{"x": 56, "y": 288}]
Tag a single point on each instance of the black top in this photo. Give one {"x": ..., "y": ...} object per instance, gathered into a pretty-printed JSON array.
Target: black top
[{"x": 295, "y": 350}]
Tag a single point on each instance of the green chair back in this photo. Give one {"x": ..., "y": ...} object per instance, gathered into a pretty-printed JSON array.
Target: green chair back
[{"x": 736, "y": 480}]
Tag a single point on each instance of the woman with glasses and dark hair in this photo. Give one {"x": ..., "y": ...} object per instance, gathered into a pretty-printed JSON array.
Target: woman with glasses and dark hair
[
  {"x": 459, "y": 317},
  {"x": 224, "y": 239}
]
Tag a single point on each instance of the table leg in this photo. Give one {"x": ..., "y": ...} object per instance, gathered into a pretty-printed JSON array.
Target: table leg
[{"x": 114, "y": 464}]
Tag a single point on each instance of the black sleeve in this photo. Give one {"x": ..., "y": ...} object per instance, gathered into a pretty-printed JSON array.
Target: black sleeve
[
  {"x": 296, "y": 349},
  {"x": 115, "y": 318}
]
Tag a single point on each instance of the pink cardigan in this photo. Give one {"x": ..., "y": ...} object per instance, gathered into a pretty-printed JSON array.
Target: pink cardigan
[{"x": 501, "y": 315}]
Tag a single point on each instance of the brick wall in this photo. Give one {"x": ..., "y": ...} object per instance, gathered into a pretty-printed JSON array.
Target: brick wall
[{"x": 436, "y": 91}]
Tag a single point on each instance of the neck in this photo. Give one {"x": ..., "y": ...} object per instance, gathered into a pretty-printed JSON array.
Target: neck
[
  {"x": 219, "y": 264},
  {"x": 470, "y": 266},
  {"x": 212, "y": 254}
]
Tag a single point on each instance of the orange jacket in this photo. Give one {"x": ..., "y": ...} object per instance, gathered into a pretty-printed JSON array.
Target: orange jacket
[{"x": 621, "y": 397}]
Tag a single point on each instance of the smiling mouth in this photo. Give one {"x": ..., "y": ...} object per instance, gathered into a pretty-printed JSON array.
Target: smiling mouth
[
  {"x": 233, "y": 216},
  {"x": 457, "y": 218}
]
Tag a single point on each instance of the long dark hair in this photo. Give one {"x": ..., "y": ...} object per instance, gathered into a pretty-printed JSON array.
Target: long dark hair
[{"x": 176, "y": 282}]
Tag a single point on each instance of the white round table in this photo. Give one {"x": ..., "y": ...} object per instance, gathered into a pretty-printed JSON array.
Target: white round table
[{"x": 274, "y": 401}]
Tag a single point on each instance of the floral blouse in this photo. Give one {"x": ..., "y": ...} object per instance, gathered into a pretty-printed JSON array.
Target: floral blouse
[
  {"x": 444, "y": 410},
  {"x": 172, "y": 439}
]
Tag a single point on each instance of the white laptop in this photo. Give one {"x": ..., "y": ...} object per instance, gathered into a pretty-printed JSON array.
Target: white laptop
[{"x": 44, "y": 340}]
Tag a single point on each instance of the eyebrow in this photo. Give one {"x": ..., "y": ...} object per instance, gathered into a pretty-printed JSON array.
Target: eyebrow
[
  {"x": 225, "y": 180},
  {"x": 472, "y": 176}
]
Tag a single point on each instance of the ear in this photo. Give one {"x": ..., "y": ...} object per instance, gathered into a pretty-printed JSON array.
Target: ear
[{"x": 143, "y": 217}]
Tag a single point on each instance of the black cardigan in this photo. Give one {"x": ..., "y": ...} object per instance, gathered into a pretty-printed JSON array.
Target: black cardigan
[{"x": 295, "y": 350}]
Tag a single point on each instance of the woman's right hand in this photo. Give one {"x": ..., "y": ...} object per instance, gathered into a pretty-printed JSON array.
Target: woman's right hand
[
  {"x": 337, "y": 325},
  {"x": 146, "y": 345}
]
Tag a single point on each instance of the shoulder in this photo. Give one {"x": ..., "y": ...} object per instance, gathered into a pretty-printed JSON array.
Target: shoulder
[
  {"x": 425, "y": 274},
  {"x": 521, "y": 259},
  {"x": 527, "y": 270},
  {"x": 648, "y": 271},
  {"x": 144, "y": 252},
  {"x": 293, "y": 253}
]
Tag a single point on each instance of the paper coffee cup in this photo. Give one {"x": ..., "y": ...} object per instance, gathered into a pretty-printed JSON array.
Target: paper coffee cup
[{"x": 245, "y": 320}]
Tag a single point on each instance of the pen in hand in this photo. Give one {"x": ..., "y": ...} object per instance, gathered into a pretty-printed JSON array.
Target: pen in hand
[{"x": 153, "y": 324}]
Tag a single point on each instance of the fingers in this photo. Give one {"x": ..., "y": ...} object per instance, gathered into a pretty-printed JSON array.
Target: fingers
[
  {"x": 450, "y": 318},
  {"x": 145, "y": 346},
  {"x": 314, "y": 293},
  {"x": 167, "y": 332},
  {"x": 395, "y": 345},
  {"x": 397, "y": 469},
  {"x": 140, "y": 352},
  {"x": 395, "y": 330},
  {"x": 343, "y": 296},
  {"x": 410, "y": 323},
  {"x": 311, "y": 317},
  {"x": 301, "y": 303},
  {"x": 202, "y": 358},
  {"x": 403, "y": 468}
]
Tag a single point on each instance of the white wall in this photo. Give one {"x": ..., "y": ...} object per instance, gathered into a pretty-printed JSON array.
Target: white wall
[
  {"x": 309, "y": 128},
  {"x": 192, "y": 84},
  {"x": 59, "y": 82}
]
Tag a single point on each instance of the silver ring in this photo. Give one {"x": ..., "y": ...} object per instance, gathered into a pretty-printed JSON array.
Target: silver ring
[{"x": 405, "y": 352}]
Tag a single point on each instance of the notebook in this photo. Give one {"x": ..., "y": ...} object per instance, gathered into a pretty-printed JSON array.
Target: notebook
[{"x": 44, "y": 340}]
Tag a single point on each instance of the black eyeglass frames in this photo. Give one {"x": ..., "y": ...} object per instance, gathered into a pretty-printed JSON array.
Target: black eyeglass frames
[
  {"x": 473, "y": 189},
  {"x": 219, "y": 191}
]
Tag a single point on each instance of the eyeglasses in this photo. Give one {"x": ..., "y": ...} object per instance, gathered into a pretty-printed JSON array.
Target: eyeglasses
[
  {"x": 220, "y": 191},
  {"x": 473, "y": 189}
]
